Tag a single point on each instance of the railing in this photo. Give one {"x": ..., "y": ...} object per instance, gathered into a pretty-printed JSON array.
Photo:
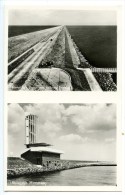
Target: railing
[{"x": 112, "y": 70}]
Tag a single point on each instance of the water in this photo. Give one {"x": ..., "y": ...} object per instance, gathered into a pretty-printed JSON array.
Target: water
[
  {"x": 97, "y": 43},
  {"x": 85, "y": 176}
]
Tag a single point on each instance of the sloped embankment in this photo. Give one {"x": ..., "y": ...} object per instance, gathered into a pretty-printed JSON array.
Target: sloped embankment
[
  {"x": 78, "y": 79},
  {"x": 19, "y": 44},
  {"x": 59, "y": 57},
  {"x": 57, "y": 54},
  {"x": 104, "y": 79},
  {"x": 18, "y": 167}
]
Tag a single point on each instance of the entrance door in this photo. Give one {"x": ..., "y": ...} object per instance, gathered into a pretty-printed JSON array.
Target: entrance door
[{"x": 39, "y": 161}]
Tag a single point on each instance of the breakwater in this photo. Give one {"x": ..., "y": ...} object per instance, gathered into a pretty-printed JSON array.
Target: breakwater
[{"x": 52, "y": 167}]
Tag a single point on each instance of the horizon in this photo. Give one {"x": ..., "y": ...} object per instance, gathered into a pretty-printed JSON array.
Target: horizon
[{"x": 70, "y": 159}]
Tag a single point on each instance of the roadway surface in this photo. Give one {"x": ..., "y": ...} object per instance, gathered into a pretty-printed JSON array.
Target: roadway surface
[{"x": 21, "y": 72}]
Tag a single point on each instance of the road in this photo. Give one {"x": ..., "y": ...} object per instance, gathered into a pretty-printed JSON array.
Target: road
[{"x": 18, "y": 76}]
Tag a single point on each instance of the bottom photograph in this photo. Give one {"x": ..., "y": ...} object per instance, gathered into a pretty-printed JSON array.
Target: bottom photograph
[{"x": 61, "y": 145}]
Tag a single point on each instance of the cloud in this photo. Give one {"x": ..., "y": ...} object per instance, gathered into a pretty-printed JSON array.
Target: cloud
[
  {"x": 61, "y": 17},
  {"x": 50, "y": 112},
  {"x": 58, "y": 119},
  {"x": 54, "y": 118},
  {"x": 15, "y": 118},
  {"x": 109, "y": 140},
  {"x": 50, "y": 117},
  {"x": 74, "y": 138},
  {"x": 93, "y": 117},
  {"x": 16, "y": 129},
  {"x": 50, "y": 128}
]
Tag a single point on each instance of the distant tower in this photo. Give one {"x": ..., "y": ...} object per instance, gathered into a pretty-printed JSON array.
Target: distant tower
[{"x": 31, "y": 128}]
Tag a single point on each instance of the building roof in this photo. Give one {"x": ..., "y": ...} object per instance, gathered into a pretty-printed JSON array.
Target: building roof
[
  {"x": 37, "y": 145},
  {"x": 44, "y": 149}
]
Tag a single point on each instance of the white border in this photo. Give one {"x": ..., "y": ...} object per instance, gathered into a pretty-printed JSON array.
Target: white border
[{"x": 69, "y": 97}]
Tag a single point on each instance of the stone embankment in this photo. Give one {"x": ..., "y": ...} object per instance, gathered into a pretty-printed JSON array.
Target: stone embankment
[{"x": 19, "y": 170}]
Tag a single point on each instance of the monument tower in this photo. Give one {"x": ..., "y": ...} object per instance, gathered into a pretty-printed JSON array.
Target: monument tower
[
  {"x": 35, "y": 152},
  {"x": 31, "y": 128}
]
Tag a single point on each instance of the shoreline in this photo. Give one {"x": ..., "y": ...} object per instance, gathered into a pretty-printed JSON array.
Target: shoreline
[{"x": 19, "y": 172}]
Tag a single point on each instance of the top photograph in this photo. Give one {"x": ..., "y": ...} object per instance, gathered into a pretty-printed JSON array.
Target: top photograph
[{"x": 62, "y": 50}]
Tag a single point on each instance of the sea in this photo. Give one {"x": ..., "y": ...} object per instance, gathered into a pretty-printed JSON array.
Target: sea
[{"x": 85, "y": 176}]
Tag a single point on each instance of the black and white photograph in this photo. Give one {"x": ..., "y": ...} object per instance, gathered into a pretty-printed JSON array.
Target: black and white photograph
[
  {"x": 61, "y": 144},
  {"x": 62, "y": 50},
  {"x": 63, "y": 110}
]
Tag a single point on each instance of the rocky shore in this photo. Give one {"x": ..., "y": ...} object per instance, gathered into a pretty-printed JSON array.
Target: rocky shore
[{"x": 33, "y": 170}]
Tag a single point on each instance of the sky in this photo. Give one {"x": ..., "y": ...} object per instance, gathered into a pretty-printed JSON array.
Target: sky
[
  {"x": 82, "y": 131},
  {"x": 61, "y": 17}
]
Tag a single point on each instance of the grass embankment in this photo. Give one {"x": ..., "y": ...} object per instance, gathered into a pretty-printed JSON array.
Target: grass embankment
[
  {"x": 57, "y": 54},
  {"x": 16, "y": 63},
  {"x": 19, "y": 44},
  {"x": 19, "y": 30},
  {"x": 78, "y": 78},
  {"x": 61, "y": 58}
]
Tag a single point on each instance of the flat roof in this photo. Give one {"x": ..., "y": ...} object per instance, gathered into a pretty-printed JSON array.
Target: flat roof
[
  {"x": 44, "y": 149},
  {"x": 37, "y": 145}
]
